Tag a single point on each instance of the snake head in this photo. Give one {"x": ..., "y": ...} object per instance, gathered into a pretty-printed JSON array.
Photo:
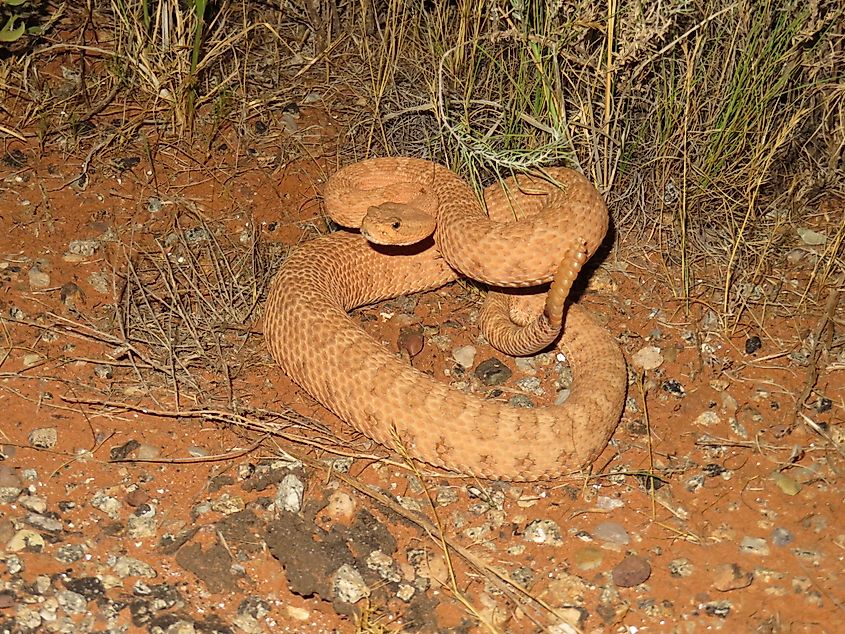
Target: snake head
[{"x": 399, "y": 224}]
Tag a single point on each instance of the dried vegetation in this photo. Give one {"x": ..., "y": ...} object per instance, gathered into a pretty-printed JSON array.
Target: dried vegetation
[{"x": 715, "y": 131}]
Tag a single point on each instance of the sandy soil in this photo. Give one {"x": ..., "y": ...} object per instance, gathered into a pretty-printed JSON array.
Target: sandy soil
[{"x": 127, "y": 505}]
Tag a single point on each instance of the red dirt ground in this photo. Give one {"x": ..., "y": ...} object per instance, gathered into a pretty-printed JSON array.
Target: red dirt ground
[{"x": 744, "y": 531}]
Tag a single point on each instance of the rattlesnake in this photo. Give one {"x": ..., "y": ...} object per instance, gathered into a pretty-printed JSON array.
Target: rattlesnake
[{"x": 311, "y": 336}]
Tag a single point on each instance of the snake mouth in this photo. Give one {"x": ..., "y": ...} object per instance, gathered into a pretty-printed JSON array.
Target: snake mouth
[{"x": 413, "y": 248}]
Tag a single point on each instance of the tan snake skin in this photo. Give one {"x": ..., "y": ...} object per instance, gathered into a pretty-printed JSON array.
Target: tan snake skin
[{"x": 311, "y": 336}]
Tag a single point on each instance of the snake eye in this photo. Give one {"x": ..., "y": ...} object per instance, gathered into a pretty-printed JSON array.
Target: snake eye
[{"x": 396, "y": 224}]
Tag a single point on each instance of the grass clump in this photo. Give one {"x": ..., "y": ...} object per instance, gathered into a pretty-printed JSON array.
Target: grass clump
[
  {"x": 715, "y": 131},
  {"x": 740, "y": 128},
  {"x": 186, "y": 306},
  {"x": 711, "y": 129}
]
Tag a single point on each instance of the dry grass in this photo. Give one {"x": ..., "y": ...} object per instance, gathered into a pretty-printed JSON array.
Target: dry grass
[
  {"x": 714, "y": 130},
  {"x": 186, "y": 308}
]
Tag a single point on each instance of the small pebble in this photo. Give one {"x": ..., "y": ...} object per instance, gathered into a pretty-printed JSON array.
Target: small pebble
[
  {"x": 409, "y": 504},
  {"x": 813, "y": 238},
  {"x": 72, "y": 602},
  {"x": 607, "y": 503},
  {"x": 141, "y": 527},
  {"x": 520, "y": 400},
  {"x": 25, "y": 539},
  {"x": 631, "y": 571},
  {"x": 100, "y": 281},
  {"x": 228, "y": 504},
  {"x": 782, "y": 536},
  {"x": 525, "y": 365},
  {"x": 681, "y": 567},
  {"x": 85, "y": 248},
  {"x": 524, "y": 575},
  {"x": 753, "y": 344},
  {"x": 107, "y": 504},
  {"x": 299, "y": 614},
  {"x": 531, "y": 384},
  {"x": 147, "y": 452},
  {"x": 674, "y": 388},
  {"x": 70, "y": 553},
  {"x": 446, "y": 496},
  {"x": 464, "y": 356},
  {"x": 136, "y": 497},
  {"x": 712, "y": 469},
  {"x": 754, "y": 546},
  {"x": 348, "y": 585},
  {"x": 289, "y": 495},
  {"x": 197, "y": 234},
  {"x": 710, "y": 321},
  {"x": 405, "y": 592},
  {"x": 611, "y": 532},
  {"x": 104, "y": 371},
  {"x": 154, "y": 204},
  {"x": 131, "y": 567},
  {"x": 812, "y": 557},
  {"x": 44, "y": 523},
  {"x": 795, "y": 256},
  {"x": 14, "y": 566},
  {"x": 647, "y": 358},
  {"x": 786, "y": 484},
  {"x": 694, "y": 483},
  {"x": 384, "y": 566},
  {"x": 492, "y": 372},
  {"x": 34, "y": 503},
  {"x": 32, "y": 359},
  {"x": 588, "y": 558},
  {"x": 823, "y": 404},
  {"x": 44, "y": 437},
  {"x": 729, "y": 577},
  {"x": 543, "y": 532},
  {"x": 707, "y": 419},
  {"x": 38, "y": 278},
  {"x": 341, "y": 506},
  {"x": 410, "y": 341},
  {"x": 720, "y": 609}
]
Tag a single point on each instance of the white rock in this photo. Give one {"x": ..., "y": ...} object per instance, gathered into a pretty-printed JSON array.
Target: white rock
[
  {"x": 464, "y": 356},
  {"x": 707, "y": 419},
  {"x": 131, "y": 567},
  {"x": 25, "y": 539},
  {"x": 108, "y": 504},
  {"x": 44, "y": 437},
  {"x": 647, "y": 358},
  {"x": 289, "y": 494},
  {"x": 543, "y": 532},
  {"x": 348, "y": 585},
  {"x": 38, "y": 278}
]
